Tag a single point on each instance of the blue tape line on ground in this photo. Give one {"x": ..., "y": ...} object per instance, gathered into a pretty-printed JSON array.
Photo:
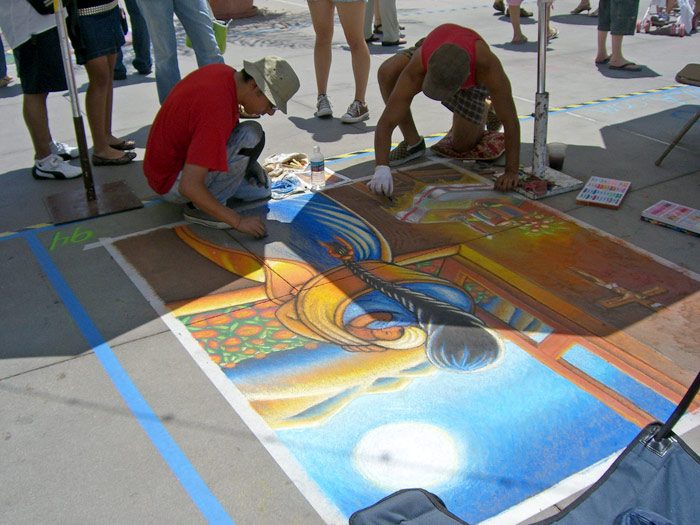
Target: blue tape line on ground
[{"x": 190, "y": 479}]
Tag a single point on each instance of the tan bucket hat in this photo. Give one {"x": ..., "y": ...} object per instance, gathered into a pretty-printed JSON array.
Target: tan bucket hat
[
  {"x": 276, "y": 78},
  {"x": 448, "y": 69}
]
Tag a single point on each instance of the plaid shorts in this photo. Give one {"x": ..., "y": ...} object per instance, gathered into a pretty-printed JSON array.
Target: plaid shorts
[{"x": 467, "y": 103}]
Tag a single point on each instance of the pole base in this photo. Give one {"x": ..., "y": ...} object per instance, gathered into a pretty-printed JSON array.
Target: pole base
[{"x": 70, "y": 206}]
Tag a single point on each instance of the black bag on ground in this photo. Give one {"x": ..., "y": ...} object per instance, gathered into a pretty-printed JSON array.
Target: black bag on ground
[
  {"x": 407, "y": 507},
  {"x": 654, "y": 481}
]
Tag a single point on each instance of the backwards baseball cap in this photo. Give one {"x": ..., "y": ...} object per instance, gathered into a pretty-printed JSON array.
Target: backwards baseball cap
[
  {"x": 448, "y": 69},
  {"x": 275, "y": 78}
]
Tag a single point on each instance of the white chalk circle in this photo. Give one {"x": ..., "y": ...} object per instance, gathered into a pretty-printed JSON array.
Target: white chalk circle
[{"x": 407, "y": 454}]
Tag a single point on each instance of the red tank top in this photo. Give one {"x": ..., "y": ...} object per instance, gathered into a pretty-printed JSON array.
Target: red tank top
[{"x": 452, "y": 34}]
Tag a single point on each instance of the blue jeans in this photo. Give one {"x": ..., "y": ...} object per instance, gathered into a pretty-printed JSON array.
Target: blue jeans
[
  {"x": 3, "y": 63},
  {"x": 139, "y": 39},
  {"x": 194, "y": 16},
  {"x": 224, "y": 185}
]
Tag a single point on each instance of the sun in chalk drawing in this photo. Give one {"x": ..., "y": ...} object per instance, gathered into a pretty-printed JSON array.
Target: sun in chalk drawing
[{"x": 406, "y": 454}]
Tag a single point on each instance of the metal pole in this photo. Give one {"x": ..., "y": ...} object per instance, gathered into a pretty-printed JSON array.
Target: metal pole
[
  {"x": 77, "y": 117},
  {"x": 539, "y": 146}
]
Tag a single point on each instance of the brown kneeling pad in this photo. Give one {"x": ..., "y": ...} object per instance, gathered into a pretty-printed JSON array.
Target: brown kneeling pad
[{"x": 690, "y": 74}]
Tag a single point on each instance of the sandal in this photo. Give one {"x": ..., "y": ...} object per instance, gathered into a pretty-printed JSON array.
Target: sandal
[
  {"x": 581, "y": 8},
  {"x": 399, "y": 42},
  {"x": 378, "y": 28},
  {"x": 627, "y": 66},
  {"x": 119, "y": 161}
]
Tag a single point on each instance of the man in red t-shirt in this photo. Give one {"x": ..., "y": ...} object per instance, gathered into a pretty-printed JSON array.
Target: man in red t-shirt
[
  {"x": 454, "y": 65},
  {"x": 199, "y": 154}
]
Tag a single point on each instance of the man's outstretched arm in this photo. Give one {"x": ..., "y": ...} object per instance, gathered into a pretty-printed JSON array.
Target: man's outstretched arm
[
  {"x": 192, "y": 186},
  {"x": 496, "y": 80}
]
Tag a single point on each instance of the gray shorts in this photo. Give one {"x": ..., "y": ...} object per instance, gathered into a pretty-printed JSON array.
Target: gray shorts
[{"x": 468, "y": 103}]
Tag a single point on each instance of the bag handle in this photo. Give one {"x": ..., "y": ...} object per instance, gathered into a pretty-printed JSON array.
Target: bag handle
[{"x": 666, "y": 430}]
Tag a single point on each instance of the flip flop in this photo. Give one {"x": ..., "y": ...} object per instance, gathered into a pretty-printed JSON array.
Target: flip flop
[
  {"x": 629, "y": 66},
  {"x": 104, "y": 161},
  {"x": 604, "y": 61},
  {"x": 554, "y": 35}
]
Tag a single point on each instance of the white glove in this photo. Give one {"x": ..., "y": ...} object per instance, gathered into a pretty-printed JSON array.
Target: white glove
[{"x": 382, "y": 183}]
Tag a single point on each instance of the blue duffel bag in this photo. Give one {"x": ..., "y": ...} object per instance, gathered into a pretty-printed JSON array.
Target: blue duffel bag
[{"x": 654, "y": 481}]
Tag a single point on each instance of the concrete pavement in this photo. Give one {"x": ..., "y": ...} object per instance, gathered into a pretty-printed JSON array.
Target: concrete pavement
[{"x": 103, "y": 415}]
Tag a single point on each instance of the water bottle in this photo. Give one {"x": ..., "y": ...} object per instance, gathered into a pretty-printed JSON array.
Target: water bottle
[{"x": 318, "y": 170}]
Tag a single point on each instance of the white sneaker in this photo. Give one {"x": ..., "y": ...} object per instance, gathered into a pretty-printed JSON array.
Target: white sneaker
[
  {"x": 64, "y": 151},
  {"x": 357, "y": 111},
  {"x": 53, "y": 167},
  {"x": 323, "y": 107}
]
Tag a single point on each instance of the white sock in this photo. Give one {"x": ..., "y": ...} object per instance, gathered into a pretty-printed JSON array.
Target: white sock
[{"x": 41, "y": 161}]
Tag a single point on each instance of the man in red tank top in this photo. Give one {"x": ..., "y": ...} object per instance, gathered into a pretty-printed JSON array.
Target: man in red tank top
[{"x": 454, "y": 65}]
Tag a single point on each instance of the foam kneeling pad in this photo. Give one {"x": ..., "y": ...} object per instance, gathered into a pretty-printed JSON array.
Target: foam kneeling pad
[{"x": 492, "y": 146}]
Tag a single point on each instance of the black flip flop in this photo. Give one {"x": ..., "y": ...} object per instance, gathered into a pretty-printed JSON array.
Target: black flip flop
[{"x": 626, "y": 67}]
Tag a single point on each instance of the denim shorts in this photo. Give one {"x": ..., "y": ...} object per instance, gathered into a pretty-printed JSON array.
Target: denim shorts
[
  {"x": 618, "y": 16},
  {"x": 100, "y": 35},
  {"x": 40, "y": 65}
]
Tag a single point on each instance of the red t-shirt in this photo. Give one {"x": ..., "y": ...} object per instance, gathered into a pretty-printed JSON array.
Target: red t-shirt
[
  {"x": 192, "y": 126},
  {"x": 452, "y": 34}
]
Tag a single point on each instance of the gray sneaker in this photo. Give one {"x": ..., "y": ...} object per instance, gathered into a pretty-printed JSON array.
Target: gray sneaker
[
  {"x": 64, "y": 151},
  {"x": 402, "y": 153},
  {"x": 357, "y": 111},
  {"x": 323, "y": 107},
  {"x": 197, "y": 216}
]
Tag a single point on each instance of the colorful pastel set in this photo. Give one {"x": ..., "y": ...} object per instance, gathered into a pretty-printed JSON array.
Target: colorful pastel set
[
  {"x": 600, "y": 191},
  {"x": 675, "y": 216}
]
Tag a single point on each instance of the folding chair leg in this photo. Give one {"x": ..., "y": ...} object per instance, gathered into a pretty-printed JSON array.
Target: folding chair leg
[{"x": 678, "y": 138}]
